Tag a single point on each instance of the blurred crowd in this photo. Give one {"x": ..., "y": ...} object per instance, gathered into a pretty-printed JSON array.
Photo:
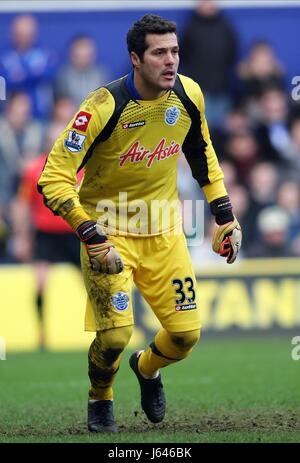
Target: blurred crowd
[
  {"x": 255, "y": 129},
  {"x": 43, "y": 94},
  {"x": 253, "y": 121}
]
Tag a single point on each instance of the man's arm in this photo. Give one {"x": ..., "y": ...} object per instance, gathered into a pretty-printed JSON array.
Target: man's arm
[
  {"x": 59, "y": 178},
  {"x": 205, "y": 167},
  {"x": 227, "y": 236}
]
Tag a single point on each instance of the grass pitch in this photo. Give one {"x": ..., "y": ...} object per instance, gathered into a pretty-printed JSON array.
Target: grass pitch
[{"x": 238, "y": 389}]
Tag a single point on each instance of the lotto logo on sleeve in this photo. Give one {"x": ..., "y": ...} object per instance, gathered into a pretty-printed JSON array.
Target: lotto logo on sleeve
[{"x": 82, "y": 121}]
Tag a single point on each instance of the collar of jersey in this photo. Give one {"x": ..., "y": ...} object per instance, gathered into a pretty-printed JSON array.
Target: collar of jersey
[
  {"x": 135, "y": 94},
  {"x": 131, "y": 87}
]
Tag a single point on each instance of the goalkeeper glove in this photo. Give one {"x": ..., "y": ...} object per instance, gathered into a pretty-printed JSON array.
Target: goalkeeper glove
[
  {"x": 102, "y": 254},
  {"x": 227, "y": 237}
]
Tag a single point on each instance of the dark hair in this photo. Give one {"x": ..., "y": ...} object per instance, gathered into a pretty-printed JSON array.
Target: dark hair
[{"x": 148, "y": 24}]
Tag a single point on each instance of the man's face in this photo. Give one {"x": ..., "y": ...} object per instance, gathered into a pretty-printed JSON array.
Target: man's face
[{"x": 161, "y": 59}]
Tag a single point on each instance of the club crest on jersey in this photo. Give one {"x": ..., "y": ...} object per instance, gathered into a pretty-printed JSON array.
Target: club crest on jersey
[
  {"x": 82, "y": 121},
  {"x": 172, "y": 115},
  {"x": 120, "y": 301},
  {"x": 75, "y": 141}
]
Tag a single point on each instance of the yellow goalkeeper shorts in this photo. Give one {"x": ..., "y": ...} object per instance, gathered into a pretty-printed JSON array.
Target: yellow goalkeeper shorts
[{"x": 160, "y": 266}]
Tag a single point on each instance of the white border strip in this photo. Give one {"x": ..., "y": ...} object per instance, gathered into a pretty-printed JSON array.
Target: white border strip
[{"x": 14, "y": 6}]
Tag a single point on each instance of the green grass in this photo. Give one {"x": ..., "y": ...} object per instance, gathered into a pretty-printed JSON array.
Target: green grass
[{"x": 237, "y": 389}]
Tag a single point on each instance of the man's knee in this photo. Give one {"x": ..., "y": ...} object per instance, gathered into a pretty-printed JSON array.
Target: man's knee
[
  {"x": 186, "y": 340},
  {"x": 112, "y": 342},
  {"x": 104, "y": 358}
]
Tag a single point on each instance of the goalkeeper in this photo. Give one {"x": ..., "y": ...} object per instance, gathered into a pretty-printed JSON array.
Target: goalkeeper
[{"x": 127, "y": 136}]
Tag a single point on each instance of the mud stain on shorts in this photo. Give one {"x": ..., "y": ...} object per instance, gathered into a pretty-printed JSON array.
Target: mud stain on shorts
[{"x": 99, "y": 291}]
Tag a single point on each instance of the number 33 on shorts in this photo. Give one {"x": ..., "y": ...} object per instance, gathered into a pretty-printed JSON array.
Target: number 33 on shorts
[{"x": 185, "y": 294}]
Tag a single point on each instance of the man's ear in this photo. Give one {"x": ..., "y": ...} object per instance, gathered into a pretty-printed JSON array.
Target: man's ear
[{"x": 135, "y": 59}]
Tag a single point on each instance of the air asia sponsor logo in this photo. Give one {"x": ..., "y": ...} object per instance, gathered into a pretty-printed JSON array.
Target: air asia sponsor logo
[
  {"x": 181, "y": 308},
  {"x": 137, "y": 153},
  {"x": 120, "y": 301},
  {"x": 171, "y": 115},
  {"x": 75, "y": 141},
  {"x": 132, "y": 125},
  {"x": 82, "y": 121}
]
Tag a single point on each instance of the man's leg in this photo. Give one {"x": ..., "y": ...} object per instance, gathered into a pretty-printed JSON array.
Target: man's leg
[
  {"x": 167, "y": 281},
  {"x": 104, "y": 359},
  {"x": 166, "y": 349},
  {"x": 109, "y": 313}
]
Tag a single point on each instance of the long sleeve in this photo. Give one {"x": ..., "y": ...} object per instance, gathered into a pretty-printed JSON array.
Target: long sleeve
[
  {"x": 70, "y": 152},
  {"x": 198, "y": 148}
]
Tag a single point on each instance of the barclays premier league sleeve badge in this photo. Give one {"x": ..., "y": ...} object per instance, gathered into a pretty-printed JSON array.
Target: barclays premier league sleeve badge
[{"x": 75, "y": 141}]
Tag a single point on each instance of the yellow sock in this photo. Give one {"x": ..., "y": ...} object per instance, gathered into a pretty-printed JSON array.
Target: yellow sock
[
  {"x": 104, "y": 359},
  {"x": 166, "y": 349}
]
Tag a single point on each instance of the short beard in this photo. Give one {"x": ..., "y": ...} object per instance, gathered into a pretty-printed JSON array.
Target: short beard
[{"x": 156, "y": 86}]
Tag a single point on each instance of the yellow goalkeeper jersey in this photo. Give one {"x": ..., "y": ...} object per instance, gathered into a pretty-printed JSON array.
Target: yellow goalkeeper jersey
[{"x": 129, "y": 151}]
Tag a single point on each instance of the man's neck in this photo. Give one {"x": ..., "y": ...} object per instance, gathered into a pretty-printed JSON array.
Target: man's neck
[{"x": 146, "y": 92}]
